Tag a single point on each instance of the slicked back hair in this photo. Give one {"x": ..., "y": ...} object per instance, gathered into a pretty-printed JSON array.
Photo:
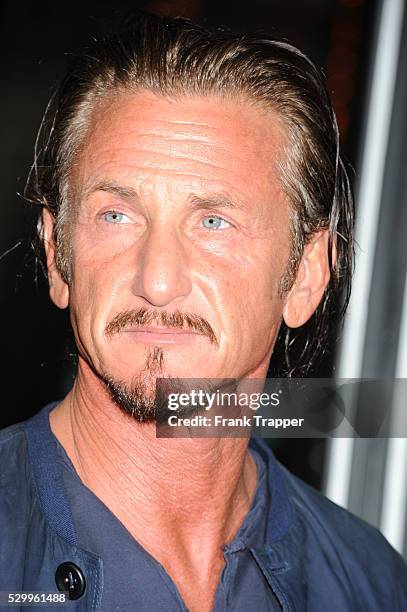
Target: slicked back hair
[{"x": 173, "y": 57}]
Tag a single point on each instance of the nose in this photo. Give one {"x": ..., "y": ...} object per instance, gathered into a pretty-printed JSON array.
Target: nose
[{"x": 162, "y": 269}]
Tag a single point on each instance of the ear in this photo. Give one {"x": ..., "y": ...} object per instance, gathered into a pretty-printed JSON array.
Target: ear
[
  {"x": 312, "y": 278},
  {"x": 58, "y": 289}
]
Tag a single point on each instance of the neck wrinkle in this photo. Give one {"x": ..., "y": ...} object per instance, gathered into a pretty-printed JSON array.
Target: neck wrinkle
[{"x": 156, "y": 486}]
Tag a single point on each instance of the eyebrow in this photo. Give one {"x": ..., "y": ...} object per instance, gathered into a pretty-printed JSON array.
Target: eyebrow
[
  {"x": 127, "y": 193},
  {"x": 217, "y": 201},
  {"x": 131, "y": 194}
]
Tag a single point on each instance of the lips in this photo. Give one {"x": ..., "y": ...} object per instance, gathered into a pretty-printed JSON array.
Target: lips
[
  {"x": 146, "y": 325},
  {"x": 161, "y": 334}
]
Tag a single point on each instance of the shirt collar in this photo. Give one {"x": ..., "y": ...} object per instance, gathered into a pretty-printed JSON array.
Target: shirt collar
[{"x": 43, "y": 455}]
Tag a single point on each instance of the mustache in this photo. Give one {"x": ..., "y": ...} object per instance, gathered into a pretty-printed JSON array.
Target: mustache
[{"x": 173, "y": 320}]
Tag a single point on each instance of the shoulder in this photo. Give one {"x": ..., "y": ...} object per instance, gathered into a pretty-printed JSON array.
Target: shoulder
[
  {"x": 13, "y": 448},
  {"x": 347, "y": 542},
  {"x": 324, "y": 518},
  {"x": 15, "y": 474},
  {"x": 334, "y": 552},
  {"x": 333, "y": 520}
]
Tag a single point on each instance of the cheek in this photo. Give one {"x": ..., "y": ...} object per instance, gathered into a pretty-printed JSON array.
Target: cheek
[
  {"x": 92, "y": 290},
  {"x": 248, "y": 296},
  {"x": 96, "y": 248}
]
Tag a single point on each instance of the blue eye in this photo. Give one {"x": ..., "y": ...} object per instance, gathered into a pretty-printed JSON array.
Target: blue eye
[
  {"x": 115, "y": 217},
  {"x": 214, "y": 222}
]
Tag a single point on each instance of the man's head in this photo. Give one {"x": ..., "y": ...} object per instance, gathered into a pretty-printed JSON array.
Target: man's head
[{"x": 190, "y": 180}]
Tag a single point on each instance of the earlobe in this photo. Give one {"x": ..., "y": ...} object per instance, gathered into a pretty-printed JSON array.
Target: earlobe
[
  {"x": 58, "y": 288},
  {"x": 311, "y": 281}
]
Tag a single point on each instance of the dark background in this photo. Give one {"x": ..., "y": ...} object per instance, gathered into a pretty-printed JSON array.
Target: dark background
[{"x": 36, "y": 39}]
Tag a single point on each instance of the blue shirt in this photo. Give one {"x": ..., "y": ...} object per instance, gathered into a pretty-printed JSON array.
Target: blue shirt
[
  {"x": 316, "y": 556},
  {"x": 134, "y": 580}
]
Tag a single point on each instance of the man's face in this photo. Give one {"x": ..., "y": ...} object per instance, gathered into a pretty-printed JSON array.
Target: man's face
[{"x": 179, "y": 209}]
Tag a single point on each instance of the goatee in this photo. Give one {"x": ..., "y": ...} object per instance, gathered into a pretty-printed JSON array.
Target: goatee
[{"x": 138, "y": 399}]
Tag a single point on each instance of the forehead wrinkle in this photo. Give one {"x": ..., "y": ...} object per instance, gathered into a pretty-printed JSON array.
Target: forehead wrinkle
[
  {"x": 215, "y": 141},
  {"x": 207, "y": 202},
  {"x": 118, "y": 175},
  {"x": 161, "y": 151},
  {"x": 154, "y": 134},
  {"x": 155, "y": 130},
  {"x": 190, "y": 126},
  {"x": 135, "y": 186},
  {"x": 207, "y": 159},
  {"x": 184, "y": 122},
  {"x": 162, "y": 146}
]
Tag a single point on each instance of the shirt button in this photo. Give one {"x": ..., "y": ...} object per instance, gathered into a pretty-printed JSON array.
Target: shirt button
[{"x": 70, "y": 579}]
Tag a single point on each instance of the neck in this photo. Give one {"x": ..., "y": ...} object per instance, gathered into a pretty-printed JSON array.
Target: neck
[{"x": 181, "y": 499}]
